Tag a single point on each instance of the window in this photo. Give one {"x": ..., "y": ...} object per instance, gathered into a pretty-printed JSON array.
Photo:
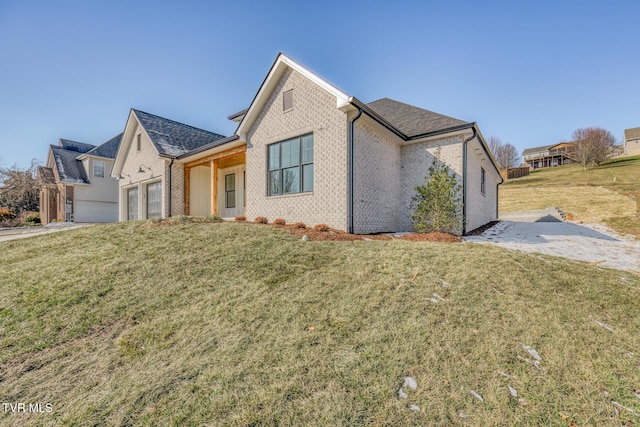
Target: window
[
  {"x": 482, "y": 181},
  {"x": 132, "y": 203},
  {"x": 154, "y": 200},
  {"x": 290, "y": 166},
  {"x": 98, "y": 168},
  {"x": 230, "y": 190},
  {"x": 287, "y": 100},
  {"x": 138, "y": 143}
]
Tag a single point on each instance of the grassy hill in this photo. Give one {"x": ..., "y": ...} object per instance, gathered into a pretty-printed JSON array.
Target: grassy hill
[
  {"x": 240, "y": 324},
  {"x": 608, "y": 194}
]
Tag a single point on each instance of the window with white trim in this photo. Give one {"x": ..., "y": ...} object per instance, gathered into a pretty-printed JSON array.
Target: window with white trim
[
  {"x": 482, "y": 181},
  {"x": 98, "y": 168},
  {"x": 290, "y": 166}
]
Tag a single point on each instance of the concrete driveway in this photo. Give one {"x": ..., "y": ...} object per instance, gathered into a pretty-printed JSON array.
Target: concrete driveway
[
  {"x": 545, "y": 233},
  {"x": 22, "y": 232}
]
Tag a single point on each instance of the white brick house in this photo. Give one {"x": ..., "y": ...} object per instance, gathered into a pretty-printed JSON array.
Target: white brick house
[
  {"x": 306, "y": 151},
  {"x": 317, "y": 155}
]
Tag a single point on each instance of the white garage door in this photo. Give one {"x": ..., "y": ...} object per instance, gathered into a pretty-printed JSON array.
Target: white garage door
[{"x": 84, "y": 211}]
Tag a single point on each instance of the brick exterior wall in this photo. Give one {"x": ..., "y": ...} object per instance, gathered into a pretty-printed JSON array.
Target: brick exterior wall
[
  {"x": 481, "y": 208},
  {"x": 377, "y": 180},
  {"x": 416, "y": 159},
  {"x": 314, "y": 111},
  {"x": 155, "y": 169}
]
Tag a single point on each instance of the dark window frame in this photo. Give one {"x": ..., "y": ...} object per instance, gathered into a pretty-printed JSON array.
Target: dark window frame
[{"x": 301, "y": 166}]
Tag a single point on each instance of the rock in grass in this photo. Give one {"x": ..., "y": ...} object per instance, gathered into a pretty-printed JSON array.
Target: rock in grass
[
  {"x": 415, "y": 408},
  {"x": 410, "y": 383},
  {"x": 532, "y": 352},
  {"x": 402, "y": 394},
  {"x": 513, "y": 391},
  {"x": 305, "y": 238},
  {"x": 476, "y": 395}
]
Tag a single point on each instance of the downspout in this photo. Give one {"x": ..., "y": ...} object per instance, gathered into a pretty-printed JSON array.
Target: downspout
[
  {"x": 350, "y": 225},
  {"x": 464, "y": 180},
  {"x": 169, "y": 179}
]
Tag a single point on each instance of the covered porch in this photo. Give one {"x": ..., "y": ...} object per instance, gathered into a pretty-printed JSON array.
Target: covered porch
[{"x": 215, "y": 184}]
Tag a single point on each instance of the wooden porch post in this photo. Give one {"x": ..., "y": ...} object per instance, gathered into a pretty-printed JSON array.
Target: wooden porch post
[
  {"x": 214, "y": 187},
  {"x": 187, "y": 191}
]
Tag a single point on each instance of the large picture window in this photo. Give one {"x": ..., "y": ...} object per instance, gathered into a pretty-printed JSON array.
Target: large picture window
[{"x": 291, "y": 166}]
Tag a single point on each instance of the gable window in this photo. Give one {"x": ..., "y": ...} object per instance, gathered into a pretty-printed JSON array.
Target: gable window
[
  {"x": 287, "y": 100},
  {"x": 138, "y": 143},
  {"x": 98, "y": 168},
  {"x": 290, "y": 166},
  {"x": 482, "y": 181}
]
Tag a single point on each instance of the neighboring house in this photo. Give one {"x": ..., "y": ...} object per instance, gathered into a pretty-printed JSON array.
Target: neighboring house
[
  {"x": 632, "y": 142},
  {"x": 549, "y": 156},
  {"x": 76, "y": 185},
  {"x": 306, "y": 151},
  {"x": 146, "y": 166}
]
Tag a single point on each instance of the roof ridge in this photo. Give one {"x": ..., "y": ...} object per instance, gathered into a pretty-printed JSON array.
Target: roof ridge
[{"x": 177, "y": 122}]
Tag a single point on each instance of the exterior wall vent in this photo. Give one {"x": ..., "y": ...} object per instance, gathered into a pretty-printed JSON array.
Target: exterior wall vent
[{"x": 287, "y": 100}]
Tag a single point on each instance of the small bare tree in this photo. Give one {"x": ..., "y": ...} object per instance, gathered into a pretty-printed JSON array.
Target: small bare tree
[
  {"x": 19, "y": 190},
  {"x": 593, "y": 145},
  {"x": 506, "y": 155}
]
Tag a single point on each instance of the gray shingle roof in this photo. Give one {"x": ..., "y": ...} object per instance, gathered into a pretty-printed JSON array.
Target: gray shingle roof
[
  {"x": 214, "y": 144},
  {"x": 107, "y": 149},
  {"x": 633, "y": 133},
  {"x": 69, "y": 168},
  {"x": 410, "y": 120},
  {"x": 173, "y": 138},
  {"x": 78, "y": 147}
]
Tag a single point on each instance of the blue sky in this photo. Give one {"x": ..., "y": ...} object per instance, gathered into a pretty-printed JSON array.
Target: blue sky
[{"x": 528, "y": 72}]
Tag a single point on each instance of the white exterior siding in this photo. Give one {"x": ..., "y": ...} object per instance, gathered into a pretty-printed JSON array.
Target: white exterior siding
[
  {"x": 97, "y": 202},
  {"x": 200, "y": 194},
  {"x": 314, "y": 111},
  {"x": 153, "y": 170}
]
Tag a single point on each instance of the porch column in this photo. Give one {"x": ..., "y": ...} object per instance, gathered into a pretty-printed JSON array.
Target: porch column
[
  {"x": 214, "y": 187},
  {"x": 187, "y": 191}
]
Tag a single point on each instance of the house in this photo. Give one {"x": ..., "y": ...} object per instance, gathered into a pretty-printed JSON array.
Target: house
[
  {"x": 632, "y": 142},
  {"x": 552, "y": 155},
  {"x": 75, "y": 184},
  {"x": 306, "y": 151},
  {"x": 150, "y": 180}
]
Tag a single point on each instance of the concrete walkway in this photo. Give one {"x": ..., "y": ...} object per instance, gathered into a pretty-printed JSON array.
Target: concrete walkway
[
  {"x": 550, "y": 235},
  {"x": 13, "y": 233}
]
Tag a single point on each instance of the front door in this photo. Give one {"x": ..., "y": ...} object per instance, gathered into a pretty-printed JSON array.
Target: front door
[{"x": 231, "y": 186}]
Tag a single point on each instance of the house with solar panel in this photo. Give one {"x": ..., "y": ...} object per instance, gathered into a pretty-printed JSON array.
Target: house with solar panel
[
  {"x": 304, "y": 151},
  {"x": 76, "y": 183}
]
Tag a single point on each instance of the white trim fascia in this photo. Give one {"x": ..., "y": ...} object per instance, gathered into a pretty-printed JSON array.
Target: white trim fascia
[{"x": 282, "y": 62}]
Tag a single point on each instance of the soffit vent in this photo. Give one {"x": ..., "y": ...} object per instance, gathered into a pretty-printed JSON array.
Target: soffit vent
[{"x": 287, "y": 100}]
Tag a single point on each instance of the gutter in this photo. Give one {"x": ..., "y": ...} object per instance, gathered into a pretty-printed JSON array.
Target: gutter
[
  {"x": 169, "y": 179},
  {"x": 350, "y": 205},
  {"x": 464, "y": 179}
]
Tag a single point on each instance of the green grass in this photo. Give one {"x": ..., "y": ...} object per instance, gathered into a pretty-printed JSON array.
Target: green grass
[
  {"x": 608, "y": 194},
  {"x": 239, "y": 324}
]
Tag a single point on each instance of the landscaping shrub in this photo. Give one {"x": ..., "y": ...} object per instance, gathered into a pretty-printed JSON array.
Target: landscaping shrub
[
  {"x": 322, "y": 227},
  {"x": 240, "y": 218},
  {"x": 32, "y": 219},
  {"x": 437, "y": 202},
  {"x": 299, "y": 225},
  {"x": 279, "y": 221},
  {"x": 212, "y": 218},
  {"x": 6, "y": 214},
  {"x": 262, "y": 220}
]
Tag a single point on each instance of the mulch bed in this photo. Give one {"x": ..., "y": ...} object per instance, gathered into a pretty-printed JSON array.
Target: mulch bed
[{"x": 337, "y": 235}]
